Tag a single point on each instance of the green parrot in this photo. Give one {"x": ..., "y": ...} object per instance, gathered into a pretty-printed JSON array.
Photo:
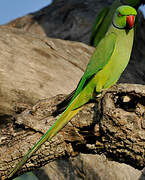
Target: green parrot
[
  {"x": 108, "y": 61},
  {"x": 104, "y": 18}
]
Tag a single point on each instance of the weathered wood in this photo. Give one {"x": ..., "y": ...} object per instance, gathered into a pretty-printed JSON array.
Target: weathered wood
[
  {"x": 32, "y": 67},
  {"x": 123, "y": 124},
  {"x": 27, "y": 74},
  {"x": 114, "y": 128}
]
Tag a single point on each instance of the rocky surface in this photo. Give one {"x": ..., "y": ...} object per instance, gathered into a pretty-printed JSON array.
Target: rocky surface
[{"x": 88, "y": 167}]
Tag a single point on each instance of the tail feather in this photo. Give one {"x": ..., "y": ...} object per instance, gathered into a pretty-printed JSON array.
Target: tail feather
[{"x": 64, "y": 118}]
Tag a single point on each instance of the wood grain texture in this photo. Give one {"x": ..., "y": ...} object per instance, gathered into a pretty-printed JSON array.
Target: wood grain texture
[{"x": 114, "y": 127}]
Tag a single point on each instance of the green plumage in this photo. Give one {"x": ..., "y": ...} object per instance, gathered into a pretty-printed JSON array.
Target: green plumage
[
  {"x": 107, "y": 46},
  {"x": 104, "y": 18},
  {"x": 108, "y": 61}
]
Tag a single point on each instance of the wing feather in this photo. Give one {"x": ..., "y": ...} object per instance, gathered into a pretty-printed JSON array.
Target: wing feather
[{"x": 99, "y": 59}]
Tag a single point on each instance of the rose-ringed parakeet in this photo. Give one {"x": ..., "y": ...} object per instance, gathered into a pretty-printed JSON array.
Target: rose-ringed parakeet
[
  {"x": 104, "y": 18},
  {"x": 108, "y": 61}
]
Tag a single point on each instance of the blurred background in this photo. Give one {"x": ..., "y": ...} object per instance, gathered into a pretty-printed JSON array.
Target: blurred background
[{"x": 12, "y": 9}]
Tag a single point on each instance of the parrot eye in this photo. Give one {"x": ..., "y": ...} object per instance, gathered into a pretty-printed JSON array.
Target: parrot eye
[{"x": 119, "y": 14}]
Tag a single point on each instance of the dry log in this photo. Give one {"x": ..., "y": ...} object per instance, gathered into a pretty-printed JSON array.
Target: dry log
[
  {"x": 34, "y": 68},
  {"x": 31, "y": 64},
  {"x": 114, "y": 126}
]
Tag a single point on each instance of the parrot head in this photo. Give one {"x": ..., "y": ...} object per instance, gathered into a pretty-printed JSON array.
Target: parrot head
[{"x": 124, "y": 17}]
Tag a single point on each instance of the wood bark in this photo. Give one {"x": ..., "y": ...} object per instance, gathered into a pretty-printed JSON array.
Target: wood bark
[
  {"x": 26, "y": 63},
  {"x": 30, "y": 63},
  {"x": 115, "y": 127},
  {"x": 33, "y": 68}
]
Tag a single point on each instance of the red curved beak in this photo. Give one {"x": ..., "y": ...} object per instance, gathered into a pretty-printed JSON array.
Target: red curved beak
[{"x": 130, "y": 21}]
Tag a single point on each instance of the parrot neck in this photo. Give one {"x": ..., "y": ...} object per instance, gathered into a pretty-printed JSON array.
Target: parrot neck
[
  {"x": 113, "y": 28},
  {"x": 113, "y": 24},
  {"x": 123, "y": 46}
]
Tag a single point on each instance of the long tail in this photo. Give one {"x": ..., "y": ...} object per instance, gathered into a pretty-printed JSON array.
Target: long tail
[{"x": 64, "y": 118}]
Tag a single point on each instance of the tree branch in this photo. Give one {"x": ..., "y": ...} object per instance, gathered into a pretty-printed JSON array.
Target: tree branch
[{"x": 113, "y": 126}]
